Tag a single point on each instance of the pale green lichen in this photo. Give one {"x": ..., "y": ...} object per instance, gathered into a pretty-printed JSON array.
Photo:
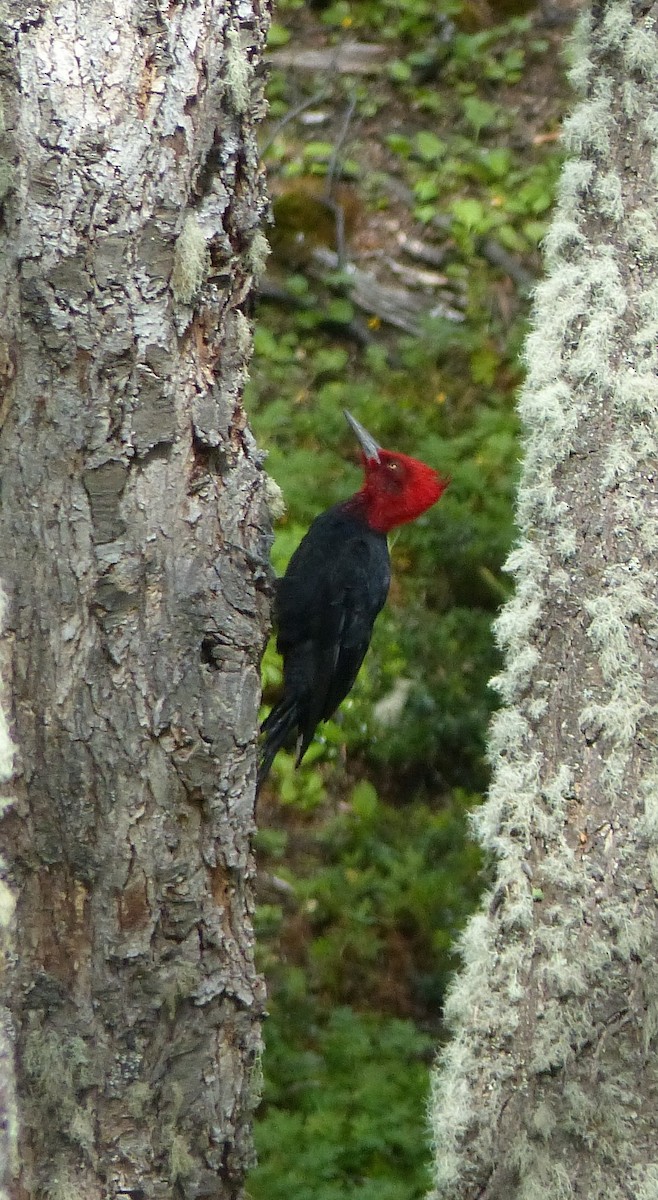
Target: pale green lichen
[
  {"x": 274, "y": 499},
  {"x": 631, "y": 99},
  {"x": 620, "y": 462},
  {"x": 616, "y": 28},
  {"x": 590, "y": 128},
  {"x": 7, "y": 906},
  {"x": 7, "y": 748},
  {"x": 238, "y": 72},
  {"x": 182, "y": 1163},
  {"x": 608, "y": 195},
  {"x": 242, "y": 335},
  {"x": 640, "y": 52},
  {"x": 648, "y": 794},
  {"x": 139, "y": 1098},
  {"x": 175, "y": 1141},
  {"x": 57, "y": 1067},
  {"x": 62, "y": 1183},
  {"x": 643, "y": 1180},
  {"x": 60, "y": 1069},
  {"x": 575, "y": 182},
  {"x": 9, "y": 1131},
  {"x": 82, "y": 1128},
  {"x": 191, "y": 261},
  {"x": 7, "y": 179},
  {"x": 544, "y": 1120},
  {"x": 578, "y": 47},
  {"x": 552, "y": 408},
  {"x": 258, "y": 252},
  {"x": 178, "y": 983}
]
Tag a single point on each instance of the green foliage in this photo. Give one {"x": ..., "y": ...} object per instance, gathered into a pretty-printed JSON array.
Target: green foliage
[
  {"x": 340, "y": 1117},
  {"x": 345, "y": 1090},
  {"x": 368, "y": 839},
  {"x": 278, "y": 35},
  {"x": 386, "y": 869}
]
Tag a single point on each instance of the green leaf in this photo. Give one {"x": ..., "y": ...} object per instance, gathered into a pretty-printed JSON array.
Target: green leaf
[
  {"x": 498, "y": 162},
  {"x": 330, "y": 361},
  {"x": 272, "y": 842},
  {"x": 534, "y": 231},
  {"x": 399, "y": 71},
  {"x": 427, "y": 189},
  {"x": 350, "y": 169},
  {"x": 425, "y": 212},
  {"x": 480, "y": 113},
  {"x": 399, "y": 144},
  {"x": 364, "y": 800},
  {"x": 469, "y": 212},
  {"x": 297, "y": 285},
  {"x": 429, "y": 147},
  {"x": 485, "y": 362},
  {"x": 321, "y": 151},
  {"x": 337, "y": 14},
  {"x": 512, "y": 240},
  {"x": 341, "y": 311},
  {"x": 278, "y": 35}
]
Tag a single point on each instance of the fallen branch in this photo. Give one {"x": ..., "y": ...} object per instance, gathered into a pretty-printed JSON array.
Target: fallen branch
[
  {"x": 348, "y": 58},
  {"x": 396, "y": 306}
]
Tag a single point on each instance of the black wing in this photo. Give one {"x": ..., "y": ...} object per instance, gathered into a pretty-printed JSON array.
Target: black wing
[{"x": 327, "y": 602}]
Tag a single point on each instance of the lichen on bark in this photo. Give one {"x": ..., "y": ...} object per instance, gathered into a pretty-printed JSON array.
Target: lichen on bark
[
  {"x": 8, "y": 1114},
  {"x": 547, "y": 1088}
]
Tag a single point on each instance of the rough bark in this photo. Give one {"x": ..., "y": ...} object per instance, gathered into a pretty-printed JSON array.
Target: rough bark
[
  {"x": 131, "y": 541},
  {"x": 549, "y": 1087},
  {"x": 7, "y": 1072}
]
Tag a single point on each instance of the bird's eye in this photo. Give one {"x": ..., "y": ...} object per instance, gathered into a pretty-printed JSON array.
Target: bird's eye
[{"x": 393, "y": 467}]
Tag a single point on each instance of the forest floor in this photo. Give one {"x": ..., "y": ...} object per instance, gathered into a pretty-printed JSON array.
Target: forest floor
[{"x": 363, "y": 148}]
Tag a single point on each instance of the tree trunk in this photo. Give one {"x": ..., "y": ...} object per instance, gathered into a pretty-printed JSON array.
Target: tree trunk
[
  {"x": 7, "y": 1073},
  {"x": 131, "y": 547},
  {"x": 548, "y": 1088}
]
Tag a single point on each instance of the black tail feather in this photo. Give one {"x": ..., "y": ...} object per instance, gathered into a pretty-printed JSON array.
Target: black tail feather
[{"x": 277, "y": 728}]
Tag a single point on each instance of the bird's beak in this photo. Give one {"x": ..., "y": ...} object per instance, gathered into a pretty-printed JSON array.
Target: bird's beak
[{"x": 366, "y": 440}]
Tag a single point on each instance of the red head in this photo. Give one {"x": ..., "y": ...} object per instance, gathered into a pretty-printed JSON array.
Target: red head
[{"x": 396, "y": 488}]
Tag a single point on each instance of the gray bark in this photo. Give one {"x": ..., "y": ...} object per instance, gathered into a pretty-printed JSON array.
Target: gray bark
[
  {"x": 7, "y": 1072},
  {"x": 131, "y": 545},
  {"x": 548, "y": 1088}
]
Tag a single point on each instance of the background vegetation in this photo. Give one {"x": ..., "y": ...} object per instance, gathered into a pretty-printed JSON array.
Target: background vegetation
[{"x": 432, "y": 170}]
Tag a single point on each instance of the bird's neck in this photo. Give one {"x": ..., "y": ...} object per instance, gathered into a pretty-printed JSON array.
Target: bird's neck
[{"x": 363, "y": 506}]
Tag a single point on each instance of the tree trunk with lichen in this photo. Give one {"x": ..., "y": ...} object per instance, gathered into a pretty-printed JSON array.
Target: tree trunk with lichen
[
  {"x": 548, "y": 1089},
  {"x": 131, "y": 552}
]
